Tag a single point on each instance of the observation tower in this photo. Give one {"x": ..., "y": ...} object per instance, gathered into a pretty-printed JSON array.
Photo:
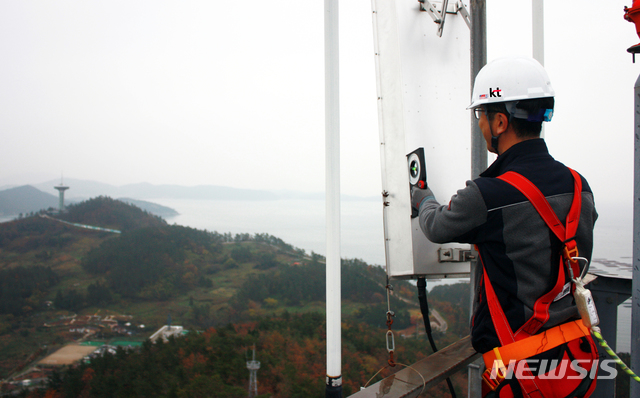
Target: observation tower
[{"x": 61, "y": 188}]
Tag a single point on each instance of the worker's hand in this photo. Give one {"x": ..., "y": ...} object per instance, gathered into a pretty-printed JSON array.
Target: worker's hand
[{"x": 417, "y": 196}]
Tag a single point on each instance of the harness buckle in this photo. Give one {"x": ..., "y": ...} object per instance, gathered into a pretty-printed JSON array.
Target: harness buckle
[
  {"x": 494, "y": 376},
  {"x": 570, "y": 251},
  {"x": 493, "y": 380}
]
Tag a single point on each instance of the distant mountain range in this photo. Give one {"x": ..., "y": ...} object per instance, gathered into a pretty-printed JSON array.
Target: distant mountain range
[
  {"x": 153, "y": 208},
  {"x": 28, "y": 198},
  {"x": 25, "y": 199},
  {"x": 88, "y": 189},
  {"x": 85, "y": 189}
]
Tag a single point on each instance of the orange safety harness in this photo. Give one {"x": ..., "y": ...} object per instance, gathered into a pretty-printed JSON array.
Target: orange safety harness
[{"x": 525, "y": 342}]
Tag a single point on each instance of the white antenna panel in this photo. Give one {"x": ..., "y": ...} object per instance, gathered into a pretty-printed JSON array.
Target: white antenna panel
[{"x": 423, "y": 83}]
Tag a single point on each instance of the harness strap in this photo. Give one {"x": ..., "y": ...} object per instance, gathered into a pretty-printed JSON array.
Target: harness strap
[
  {"x": 506, "y": 337},
  {"x": 500, "y": 323},
  {"x": 536, "y": 344},
  {"x": 564, "y": 234},
  {"x": 537, "y": 199}
]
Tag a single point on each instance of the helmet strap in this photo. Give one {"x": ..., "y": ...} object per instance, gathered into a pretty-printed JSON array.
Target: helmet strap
[
  {"x": 494, "y": 142},
  {"x": 494, "y": 138}
]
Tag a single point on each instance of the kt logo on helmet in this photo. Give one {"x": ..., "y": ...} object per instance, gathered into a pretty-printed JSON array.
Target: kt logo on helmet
[{"x": 495, "y": 93}]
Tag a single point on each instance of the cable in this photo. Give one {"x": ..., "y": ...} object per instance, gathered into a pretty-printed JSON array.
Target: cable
[
  {"x": 424, "y": 382},
  {"x": 424, "y": 308},
  {"x": 596, "y": 332},
  {"x": 589, "y": 315}
]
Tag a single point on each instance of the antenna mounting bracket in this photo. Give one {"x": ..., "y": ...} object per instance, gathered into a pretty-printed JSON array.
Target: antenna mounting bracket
[{"x": 434, "y": 9}]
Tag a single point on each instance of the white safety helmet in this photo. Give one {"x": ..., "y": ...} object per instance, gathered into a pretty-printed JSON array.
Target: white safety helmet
[{"x": 510, "y": 79}]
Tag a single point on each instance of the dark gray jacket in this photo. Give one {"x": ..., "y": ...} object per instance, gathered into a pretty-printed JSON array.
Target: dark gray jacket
[{"x": 519, "y": 251}]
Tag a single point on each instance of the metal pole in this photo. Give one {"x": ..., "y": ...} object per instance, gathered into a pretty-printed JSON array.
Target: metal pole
[
  {"x": 332, "y": 177},
  {"x": 478, "y": 60},
  {"x": 478, "y": 155},
  {"x": 635, "y": 289}
]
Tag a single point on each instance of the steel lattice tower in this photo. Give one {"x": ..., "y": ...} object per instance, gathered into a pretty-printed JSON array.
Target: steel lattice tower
[{"x": 253, "y": 367}]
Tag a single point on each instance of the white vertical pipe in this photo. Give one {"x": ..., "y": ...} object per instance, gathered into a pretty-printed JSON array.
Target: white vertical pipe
[
  {"x": 537, "y": 22},
  {"x": 537, "y": 25},
  {"x": 332, "y": 177}
]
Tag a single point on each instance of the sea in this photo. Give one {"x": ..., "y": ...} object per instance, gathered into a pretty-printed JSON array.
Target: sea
[{"x": 301, "y": 224}]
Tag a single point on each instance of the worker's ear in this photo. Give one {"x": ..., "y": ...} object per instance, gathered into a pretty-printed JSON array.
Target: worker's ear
[{"x": 500, "y": 123}]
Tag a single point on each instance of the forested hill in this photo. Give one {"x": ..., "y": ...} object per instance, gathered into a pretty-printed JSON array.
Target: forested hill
[
  {"x": 39, "y": 238},
  {"x": 110, "y": 213},
  {"x": 39, "y": 254},
  {"x": 237, "y": 290}
]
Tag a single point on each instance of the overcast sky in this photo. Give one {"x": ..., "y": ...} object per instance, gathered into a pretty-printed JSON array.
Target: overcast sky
[{"x": 232, "y": 93}]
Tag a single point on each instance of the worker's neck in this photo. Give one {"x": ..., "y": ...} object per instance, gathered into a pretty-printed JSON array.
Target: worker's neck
[{"x": 509, "y": 139}]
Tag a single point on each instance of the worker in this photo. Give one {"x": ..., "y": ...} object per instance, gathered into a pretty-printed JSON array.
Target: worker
[{"x": 524, "y": 312}]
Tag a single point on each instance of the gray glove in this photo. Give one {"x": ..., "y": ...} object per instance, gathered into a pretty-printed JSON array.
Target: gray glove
[{"x": 417, "y": 196}]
